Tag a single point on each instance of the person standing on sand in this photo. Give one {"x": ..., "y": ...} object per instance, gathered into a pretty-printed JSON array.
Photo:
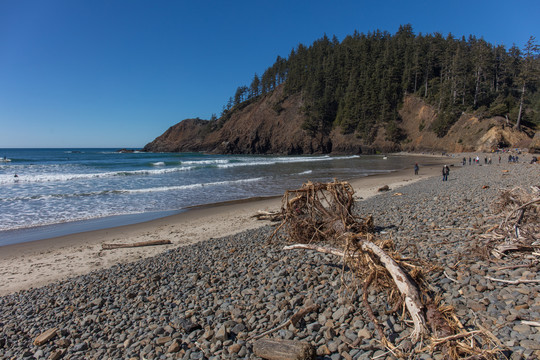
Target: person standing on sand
[
  {"x": 445, "y": 172},
  {"x": 416, "y": 168}
]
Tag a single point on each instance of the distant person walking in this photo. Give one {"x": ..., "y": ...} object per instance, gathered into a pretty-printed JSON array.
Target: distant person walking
[
  {"x": 416, "y": 168},
  {"x": 445, "y": 172}
]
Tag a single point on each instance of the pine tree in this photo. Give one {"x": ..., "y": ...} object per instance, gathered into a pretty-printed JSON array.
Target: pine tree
[
  {"x": 254, "y": 89},
  {"x": 358, "y": 84},
  {"x": 529, "y": 72}
]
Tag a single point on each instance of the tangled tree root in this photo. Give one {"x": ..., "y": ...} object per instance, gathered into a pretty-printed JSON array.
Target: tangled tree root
[
  {"x": 320, "y": 217},
  {"x": 519, "y": 227}
]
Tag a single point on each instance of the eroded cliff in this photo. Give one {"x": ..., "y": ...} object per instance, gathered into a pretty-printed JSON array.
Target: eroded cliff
[{"x": 272, "y": 124}]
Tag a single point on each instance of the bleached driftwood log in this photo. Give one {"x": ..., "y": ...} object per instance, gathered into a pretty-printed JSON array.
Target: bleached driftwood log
[
  {"x": 406, "y": 287},
  {"x": 277, "y": 349},
  {"x": 139, "y": 244},
  {"x": 268, "y": 215}
]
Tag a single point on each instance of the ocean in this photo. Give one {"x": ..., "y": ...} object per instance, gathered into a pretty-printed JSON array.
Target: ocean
[{"x": 43, "y": 190}]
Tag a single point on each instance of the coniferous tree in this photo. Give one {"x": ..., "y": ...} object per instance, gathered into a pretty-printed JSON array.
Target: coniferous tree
[
  {"x": 254, "y": 89},
  {"x": 358, "y": 84},
  {"x": 529, "y": 72}
]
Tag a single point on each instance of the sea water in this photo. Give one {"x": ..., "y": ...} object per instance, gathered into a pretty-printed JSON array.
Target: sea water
[{"x": 44, "y": 187}]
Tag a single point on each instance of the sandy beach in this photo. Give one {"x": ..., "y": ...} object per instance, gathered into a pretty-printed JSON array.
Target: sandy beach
[{"x": 34, "y": 264}]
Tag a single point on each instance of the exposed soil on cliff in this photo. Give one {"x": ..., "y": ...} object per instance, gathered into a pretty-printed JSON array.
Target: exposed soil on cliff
[{"x": 272, "y": 124}]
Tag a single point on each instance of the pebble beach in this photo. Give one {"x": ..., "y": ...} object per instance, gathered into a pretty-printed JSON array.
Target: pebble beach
[{"x": 208, "y": 299}]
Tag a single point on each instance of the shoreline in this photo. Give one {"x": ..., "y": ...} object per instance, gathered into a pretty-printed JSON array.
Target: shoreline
[
  {"x": 37, "y": 263},
  {"x": 212, "y": 298}
]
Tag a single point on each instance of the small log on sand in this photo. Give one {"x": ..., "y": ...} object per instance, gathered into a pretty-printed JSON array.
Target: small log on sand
[
  {"x": 139, "y": 244},
  {"x": 268, "y": 215},
  {"x": 45, "y": 336},
  {"x": 277, "y": 349}
]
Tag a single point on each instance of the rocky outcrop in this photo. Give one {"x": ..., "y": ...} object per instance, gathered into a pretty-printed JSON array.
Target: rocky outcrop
[{"x": 272, "y": 124}]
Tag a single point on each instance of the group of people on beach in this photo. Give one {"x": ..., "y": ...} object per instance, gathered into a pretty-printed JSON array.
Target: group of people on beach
[
  {"x": 476, "y": 160},
  {"x": 487, "y": 160}
]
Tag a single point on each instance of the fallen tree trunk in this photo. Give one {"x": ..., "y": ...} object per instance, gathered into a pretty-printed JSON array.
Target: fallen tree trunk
[
  {"x": 406, "y": 287},
  {"x": 277, "y": 349},
  {"x": 139, "y": 244}
]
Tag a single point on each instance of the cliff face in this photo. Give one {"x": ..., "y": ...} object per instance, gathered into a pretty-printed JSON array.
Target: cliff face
[
  {"x": 469, "y": 133},
  {"x": 273, "y": 125}
]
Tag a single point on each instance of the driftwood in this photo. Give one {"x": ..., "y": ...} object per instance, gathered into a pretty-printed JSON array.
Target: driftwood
[
  {"x": 321, "y": 217},
  {"x": 500, "y": 250},
  {"x": 138, "y": 244},
  {"x": 531, "y": 323},
  {"x": 277, "y": 349},
  {"x": 292, "y": 321},
  {"x": 405, "y": 286},
  {"x": 515, "y": 282},
  {"x": 519, "y": 227},
  {"x": 268, "y": 215},
  {"x": 45, "y": 336}
]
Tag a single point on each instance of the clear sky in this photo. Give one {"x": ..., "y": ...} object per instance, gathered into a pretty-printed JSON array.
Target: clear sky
[{"x": 118, "y": 73}]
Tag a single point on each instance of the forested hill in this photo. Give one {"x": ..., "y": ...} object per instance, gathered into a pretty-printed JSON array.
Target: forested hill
[{"x": 343, "y": 95}]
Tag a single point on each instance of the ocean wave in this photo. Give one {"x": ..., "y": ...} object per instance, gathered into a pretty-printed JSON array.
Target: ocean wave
[
  {"x": 191, "y": 165},
  {"x": 286, "y": 160},
  {"x": 126, "y": 191},
  {"x": 205, "y": 162},
  {"x": 305, "y": 172},
  {"x": 191, "y": 186},
  {"x": 34, "y": 178}
]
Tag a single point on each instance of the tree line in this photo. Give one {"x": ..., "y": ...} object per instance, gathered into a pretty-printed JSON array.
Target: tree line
[{"x": 358, "y": 84}]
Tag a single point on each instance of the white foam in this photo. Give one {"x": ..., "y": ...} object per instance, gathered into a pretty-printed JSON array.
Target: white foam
[
  {"x": 286, "y": 160},
  {"x": 205, "y": 162},
  {"x": 190, "y": 186},
  {"x": 32, "y": 178}
]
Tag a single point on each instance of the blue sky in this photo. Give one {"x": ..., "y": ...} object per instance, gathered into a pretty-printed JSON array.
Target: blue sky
[{"x": 96, "y": 73}]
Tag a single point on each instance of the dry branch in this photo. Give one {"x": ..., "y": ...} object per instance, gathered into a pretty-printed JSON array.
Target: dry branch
[
  {"x": 514, "y": 282},
  {"x": 531, "y": 323},
  {"x": 406, "y": 287},
  {"x": 519, "y": 227},
  {"x": 321, "y": 217},
  {"x": 293, "y": 320},
  {"x": 139, "y": 244}
]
